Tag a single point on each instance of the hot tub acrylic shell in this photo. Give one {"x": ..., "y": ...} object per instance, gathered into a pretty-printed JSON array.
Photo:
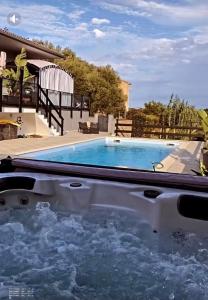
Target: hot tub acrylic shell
[{"x": 166, "y": 209}]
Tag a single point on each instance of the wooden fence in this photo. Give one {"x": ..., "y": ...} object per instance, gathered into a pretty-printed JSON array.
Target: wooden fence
[{"x": 129, "y": 128}]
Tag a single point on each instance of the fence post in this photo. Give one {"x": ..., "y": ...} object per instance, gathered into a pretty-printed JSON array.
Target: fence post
[
  {"x": 1, "y": 94},
  {"x": 81, "y": 107},
  {"x": 49, "y": 116},
  {"x": 165, "y": 133},
  {"x": 60, "y": 95},
  {"x": 62, "y": 127},
  {"x": 72, "y": 105},
  {"x": 38, "y": 96},
  {"x": 47, "y": 106},
  {"x": 116, "y": 131},
  {"x": 190, "y": 133},
  {"x": 21, "y": 90},
  {"x": 133, "y": 128}
]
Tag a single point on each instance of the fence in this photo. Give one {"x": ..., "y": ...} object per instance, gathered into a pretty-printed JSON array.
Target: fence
[{"x": 134, "y": 128}]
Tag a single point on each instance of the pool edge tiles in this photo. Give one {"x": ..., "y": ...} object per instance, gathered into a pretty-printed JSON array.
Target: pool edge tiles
[
  {"x": 31, "y": 153},
  {"x": 147, "y": 141}
]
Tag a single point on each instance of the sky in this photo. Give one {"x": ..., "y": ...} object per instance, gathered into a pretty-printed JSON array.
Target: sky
[{"x": 159, "y": 46}]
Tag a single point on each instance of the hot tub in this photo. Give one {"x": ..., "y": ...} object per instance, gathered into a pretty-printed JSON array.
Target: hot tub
[{"x": 79, "y": 234}]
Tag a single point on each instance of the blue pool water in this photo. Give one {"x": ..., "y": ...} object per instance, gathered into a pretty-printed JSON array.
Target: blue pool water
[{"x": 126, "y": 153}]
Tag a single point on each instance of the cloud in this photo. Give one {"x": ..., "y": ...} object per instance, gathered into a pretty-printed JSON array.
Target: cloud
[
  {"x": 96, "y": 21},
  {"x": 81, "y": 27},
  {"x": 76, "y": 14},
  {"x": 99, "y": 33},
  {"x": 160, "y": 11},
  {"x": 55, "y": 28},
  {"x": 186, "y": 61},
  {"x": 169, "y": 61}
]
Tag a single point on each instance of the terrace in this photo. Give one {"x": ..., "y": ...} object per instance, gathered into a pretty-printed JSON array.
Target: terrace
[{"x": 49, "y": 93}]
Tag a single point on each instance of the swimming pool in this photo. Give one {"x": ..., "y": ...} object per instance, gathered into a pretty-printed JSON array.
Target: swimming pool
[{"x": 129, "y": 153}]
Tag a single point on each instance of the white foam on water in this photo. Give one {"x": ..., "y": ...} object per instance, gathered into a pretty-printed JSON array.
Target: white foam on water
[{"x": 102, "y": 254}]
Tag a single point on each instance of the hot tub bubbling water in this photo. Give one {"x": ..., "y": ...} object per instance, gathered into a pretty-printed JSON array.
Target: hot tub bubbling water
[{"x": 99, "y": 255}]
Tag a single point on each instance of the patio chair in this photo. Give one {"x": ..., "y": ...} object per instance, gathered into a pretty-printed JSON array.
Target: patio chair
[
  {"x": 94, "y": 128},
  {"x": 83, "y": 127}
]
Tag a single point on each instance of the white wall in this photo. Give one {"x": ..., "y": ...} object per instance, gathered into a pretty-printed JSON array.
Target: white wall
[
  {"x": 111, "y": 124},
  {"x": 30, "y": 123}
]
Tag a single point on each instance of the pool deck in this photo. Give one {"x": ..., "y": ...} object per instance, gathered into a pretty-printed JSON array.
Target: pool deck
[
  {"x": 25, "y": 145},
  {"x": 183, "y": 159}
]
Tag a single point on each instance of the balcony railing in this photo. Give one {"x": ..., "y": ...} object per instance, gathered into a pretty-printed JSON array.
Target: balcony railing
[{"x": 25, "y": 95}]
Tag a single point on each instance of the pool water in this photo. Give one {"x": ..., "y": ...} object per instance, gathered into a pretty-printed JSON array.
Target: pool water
[
  {"x": 100, "y": 255},
  {"x": 134, "y": 154}
]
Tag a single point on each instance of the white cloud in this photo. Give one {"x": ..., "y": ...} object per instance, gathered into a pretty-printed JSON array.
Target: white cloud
[
  {"x": 34, "y": 23},
  {"x": 76, "y": 14},
  {"x": 81, "y": 27},
  {"x": 160, "y": 11},
  {"x": 158, "y": 66},
  {"x": 99, "y": 33},
  {"x": 186, "y": 61},
  {"x": 96, "y": 21}
]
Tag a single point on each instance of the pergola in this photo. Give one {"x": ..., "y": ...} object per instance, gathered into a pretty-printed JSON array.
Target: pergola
[{"x": 56, "y": 82}]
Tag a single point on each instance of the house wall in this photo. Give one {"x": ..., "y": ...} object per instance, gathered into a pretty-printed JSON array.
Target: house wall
[
  {"x": 29, "y": 123},
  {"x": 73, "y": 123},
  {"x": 111, "y": 124},
  {"x": 124, "y": 86}
]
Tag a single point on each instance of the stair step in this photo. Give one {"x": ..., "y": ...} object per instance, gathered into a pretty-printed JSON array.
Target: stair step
[{"x": 53, "y": 131}]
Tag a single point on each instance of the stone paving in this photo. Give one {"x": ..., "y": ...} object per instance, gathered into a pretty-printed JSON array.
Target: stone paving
[{"x": 24, "y": 145}]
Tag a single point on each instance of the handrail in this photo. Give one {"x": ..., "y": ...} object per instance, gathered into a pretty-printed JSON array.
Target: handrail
[
  {"x": 48, "y": 107},
  {"x": 50, "y": 102}
]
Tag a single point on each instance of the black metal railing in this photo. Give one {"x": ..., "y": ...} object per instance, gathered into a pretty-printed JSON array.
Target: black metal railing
[
  {"x": 15, "y": 93},
  {"x": 50, "y": 111},
  {"x": 25, "y": 94}
]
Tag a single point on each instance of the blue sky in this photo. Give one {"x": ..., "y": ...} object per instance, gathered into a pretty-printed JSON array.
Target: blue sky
[{"x": 160, "y": 46}]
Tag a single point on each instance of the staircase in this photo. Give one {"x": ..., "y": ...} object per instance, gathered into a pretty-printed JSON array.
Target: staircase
[
  {"x": 52, "y": 130},
  {"x": 49, "y": 113}
]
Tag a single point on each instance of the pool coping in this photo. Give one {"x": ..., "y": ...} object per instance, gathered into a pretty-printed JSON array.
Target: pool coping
[
  {"x": 175, "y": 162},
  {"x": 91, "y": 140},
  {"x": 57, "y": 146}
]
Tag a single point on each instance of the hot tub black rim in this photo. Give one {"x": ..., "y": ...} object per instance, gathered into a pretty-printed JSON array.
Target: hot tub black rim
[{"x": 149, "y": 178}]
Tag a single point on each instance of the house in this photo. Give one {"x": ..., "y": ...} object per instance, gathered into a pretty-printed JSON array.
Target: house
[
  {"x": 45, "y": 105},
  {"x": 125, "y": 86}
]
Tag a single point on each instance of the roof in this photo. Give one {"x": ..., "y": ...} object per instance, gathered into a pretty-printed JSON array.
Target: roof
[
  {"x": 125, "y": 81},
  {"x": 12, "y": 44},
  {"x": 40, "y": 63}
]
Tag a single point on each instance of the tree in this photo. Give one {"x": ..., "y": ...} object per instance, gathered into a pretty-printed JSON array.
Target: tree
[
  {"x": 154, "y": 108},
  {"x": 176, "y": 113},
  {"x": 136, "y": 113},
  {"x": 99, "y": 84},
  {"x": 179, "y": 112}
]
